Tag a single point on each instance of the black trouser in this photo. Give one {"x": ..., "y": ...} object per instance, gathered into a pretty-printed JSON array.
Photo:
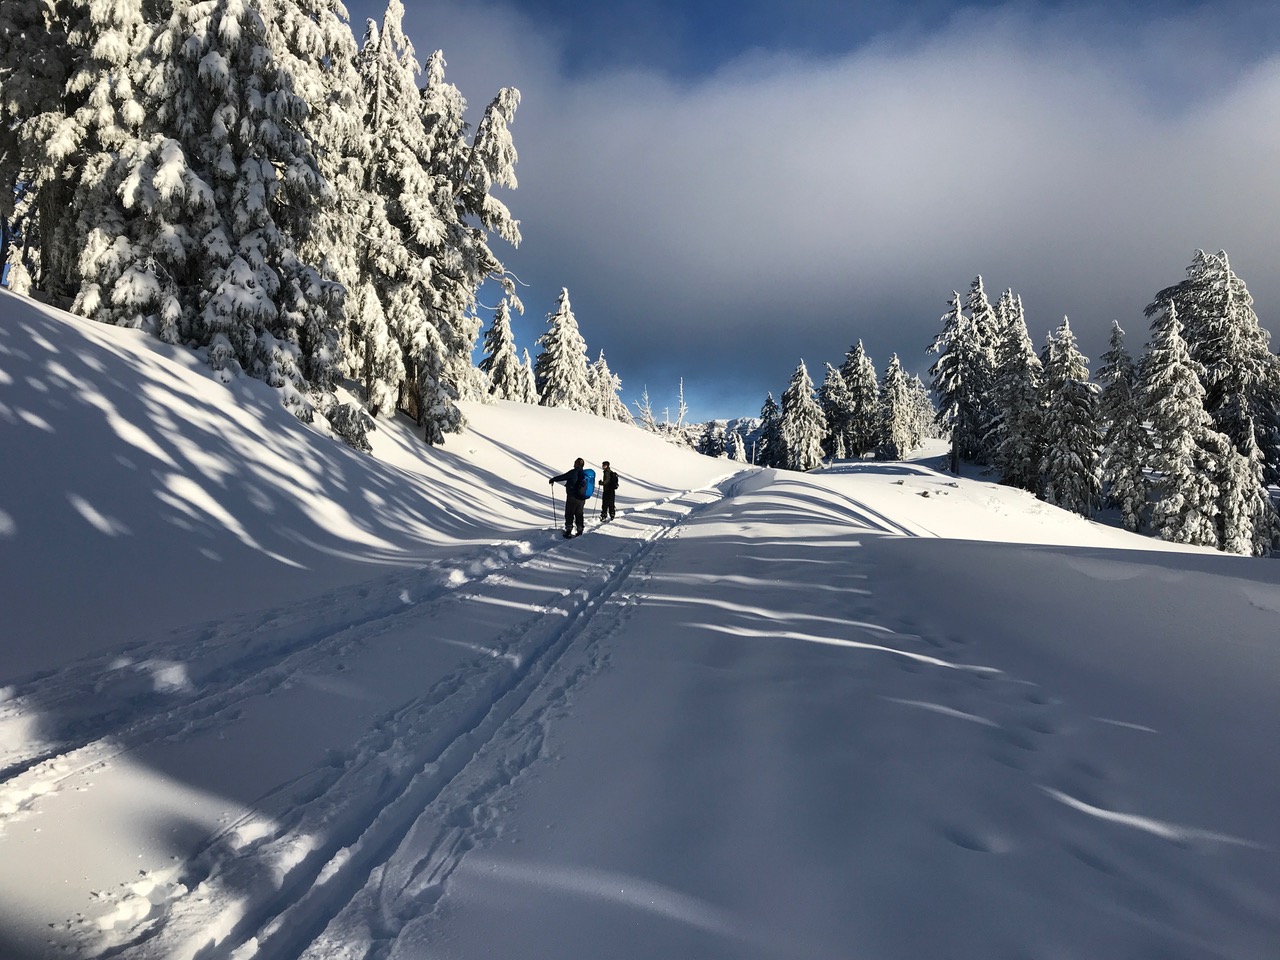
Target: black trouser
[
  {"x": 573, "y": 508},
  {"x": 606, "y": 504}
]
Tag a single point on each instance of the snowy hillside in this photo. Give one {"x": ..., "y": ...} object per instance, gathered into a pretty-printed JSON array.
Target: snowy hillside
[{"x": 262, "y": 696}]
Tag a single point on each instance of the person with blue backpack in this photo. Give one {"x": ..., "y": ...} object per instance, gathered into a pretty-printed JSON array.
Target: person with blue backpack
[{"x": 579, "y": 485}]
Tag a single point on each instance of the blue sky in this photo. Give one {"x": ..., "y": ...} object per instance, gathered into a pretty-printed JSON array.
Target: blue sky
[{"x": 728, "y": 188}]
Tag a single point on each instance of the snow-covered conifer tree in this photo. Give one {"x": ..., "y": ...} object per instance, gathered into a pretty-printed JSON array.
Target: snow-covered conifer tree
[
  {"x": 1015, "y": 431},
  {"x": 802, "y": 425},
  {"x": 1172, "y": 399},
  {"x": 1246, "y": 519},
  {"x": 102, "y": 113},
  {"x": 463, "y": 176},
  {"x": 986, "y": 327},
  {"x": 737, "y": 449},
  {"x": 530, "y": 393},
  {"x": 1219, "y": 499},
  {"x": 606, "y": 385},
  {"x": 863, "y": 431},
  {"x": 924, "y": 418},
  {"x": 431, "y": 216},
  {"x": 896, "y": 405},
  {"x": 771, "y": 449},
  {"x": 1069, "y": 466},
  {"x": 219, "y": 201},
  {"x": 71, "y": 105},
  {"x": 838, "y": 408},
  {"x": 317, "y": 48},
  {"x": 1241, "y": 376},
  {"x": 961, "y": 379},
  {"x": 403, "y": 219},
  {"x": 561, "y": 367},
  {"x": 506, "y": 375},
  {"x": 34, "y": 64},
  {"x": 713, "y": 442},
  {"x": 1124, "y": 440},
  {"x": 380, "y": 365},
  {"x": 984, "y": 318}
]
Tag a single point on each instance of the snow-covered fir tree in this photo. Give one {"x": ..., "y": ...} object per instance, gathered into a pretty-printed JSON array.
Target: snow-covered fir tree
[
  {"x": 561, "y": 367},
  {"x": 1124, "y": 439},
  {"x": 897, "y": 414},
  {"x": 500, "y": 363},
  {"x": 863, "y": 430},
  {"x": 530, "y": 391},
  {"x": 197, "y": 185},
  {"x": 223, "y": 91},
  {"x": 380, "y": 366},
  {"x": 35, "y": 61},
  {"x": 1241, "y": 376},
  {"x": 1172, "y": 398},
  {"x": 713, "y": 442},
  {"x": 923, "y": 420},
  {"x": 1246, "y": 520},
  {"x": 606, "y": 387},
  {"x": 737, "y": 449},
  {"x": 986, "y": 328},
  {"x": 318, "y": 50},
  {"x": 1069, "y": 467},
  {"x": 315, "y": 47},
  {"x": 961, "y": 381},
  {"x": 462, "y": 178},
  {"x": 770, "y": 447},
  {"x": 402, "y": 219},
  {"x": 838, "y": 408},
  {"x": 984, "y": 318},
  {"x": 1015, "y": 429},
  {"x": 802, "y": 424},
  {"x": 1220, "y": 499},
  {"x": 102, "y": 114}
]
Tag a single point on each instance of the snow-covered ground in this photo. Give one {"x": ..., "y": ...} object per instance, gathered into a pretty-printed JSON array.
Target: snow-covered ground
[{"x": 264, "y": 697}]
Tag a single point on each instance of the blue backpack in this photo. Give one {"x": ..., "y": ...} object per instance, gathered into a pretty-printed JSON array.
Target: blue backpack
[{"x": 590, "y": 483}]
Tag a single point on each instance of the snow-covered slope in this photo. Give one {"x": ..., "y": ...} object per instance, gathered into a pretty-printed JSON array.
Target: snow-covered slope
[
  {"x": 264, "y": 697},
  {"x": 140, "y": 494}
]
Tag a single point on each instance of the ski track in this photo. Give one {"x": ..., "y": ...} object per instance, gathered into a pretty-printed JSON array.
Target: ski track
[
  {"x": 264, "y": 887},
  {"x": 177, "y": 685}
]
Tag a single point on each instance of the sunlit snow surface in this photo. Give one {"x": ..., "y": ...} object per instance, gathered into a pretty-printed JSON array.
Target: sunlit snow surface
[{"x": 264, "y": 697}]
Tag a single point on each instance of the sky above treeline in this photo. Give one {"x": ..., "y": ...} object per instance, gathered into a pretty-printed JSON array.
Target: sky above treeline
[{"x": 728, "y": 188}]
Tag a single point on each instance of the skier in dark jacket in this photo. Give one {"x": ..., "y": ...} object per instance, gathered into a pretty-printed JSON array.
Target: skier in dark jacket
[
  {"x": 575, "y": 496},
  {"x": 608, "y": 489}
]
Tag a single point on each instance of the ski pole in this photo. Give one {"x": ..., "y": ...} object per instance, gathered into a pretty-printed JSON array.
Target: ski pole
[{"x": 553, "y": 504}]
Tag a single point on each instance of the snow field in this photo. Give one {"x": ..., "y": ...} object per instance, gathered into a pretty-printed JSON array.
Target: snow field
[{"x": 262, "y": 697}]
